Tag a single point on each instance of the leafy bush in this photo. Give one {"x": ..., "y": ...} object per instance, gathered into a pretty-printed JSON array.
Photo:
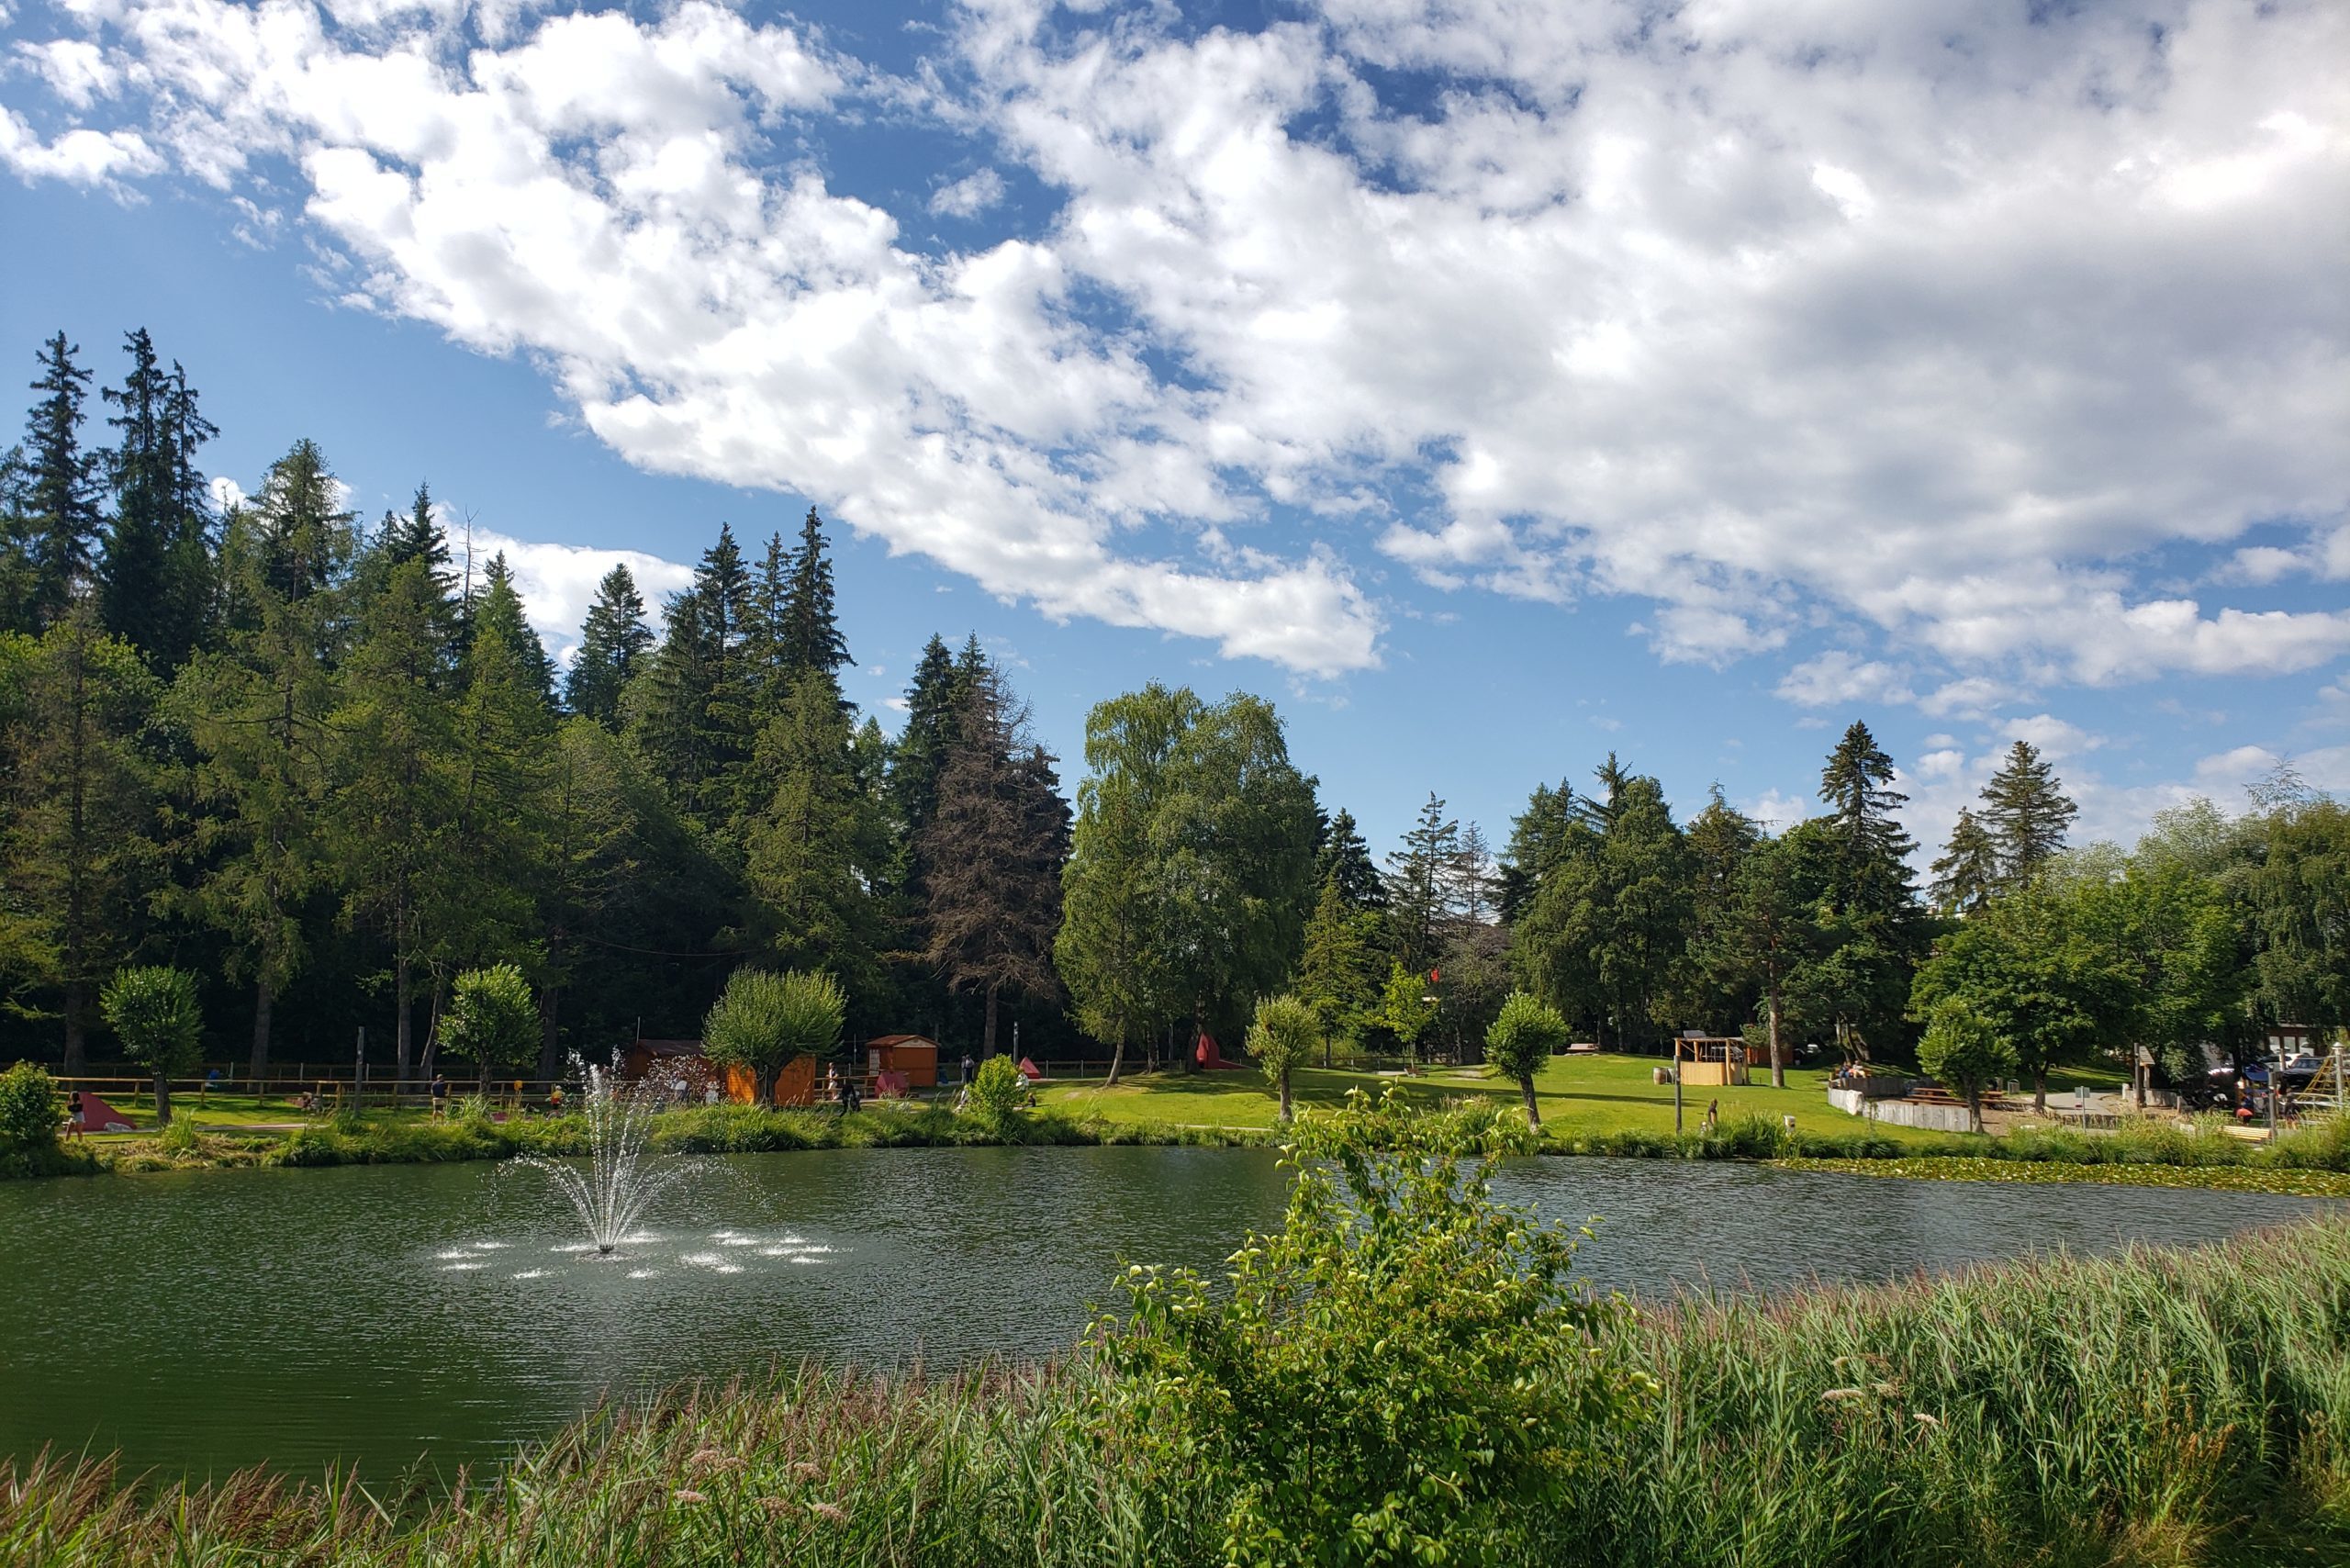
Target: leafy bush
[
  {"x": 1393, "y": 1377},
  {"x": 29, "y": 1110},
  {"x": 997, "y": 1091}
]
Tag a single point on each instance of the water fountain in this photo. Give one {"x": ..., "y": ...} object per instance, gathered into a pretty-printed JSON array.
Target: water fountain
[{"x": 622, "y": 1176}]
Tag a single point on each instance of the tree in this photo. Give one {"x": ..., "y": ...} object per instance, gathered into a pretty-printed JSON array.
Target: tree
[
  {"x": 2030, "y": 967},
  {"x": 497, "y": 607},
  {"x": 1282, "y": 1038},
  {"x": 2026, "y": 812},
  {"x": 1405, "y": 1006},
  {"x": 1965, "y": 1049},
  {"x": 392, "y": 786},
  {"x": 995, "y": 848},
  {"x": 688, "y": 711},
  {"x": 812, "y": 853},
  {"x": 1763, "y": 937},
  {"x": 481, "y": 905},
  {"x": 1872, "y": 932},
  {"x": 764, "y": 1020},
  {"x": 2299, "y": 896},
  {"x": 77, "y": 850},
  {"x": 154, "y": 584},
  {"x": 1345, "y": 857},
  {"x": 1336, "y": 972},
  {"x": 612, "y": 641},
  {"x": 1968, "y": 872},
  {"x": 60, "y": 485},
  {"x": 811, "y": 634},
  {"x": 492, "y": 1020},
  {"x": 153, "y": 1012},
  {"x": 1419, "y": 888},
  {"x": 1523, "y": 1037}
]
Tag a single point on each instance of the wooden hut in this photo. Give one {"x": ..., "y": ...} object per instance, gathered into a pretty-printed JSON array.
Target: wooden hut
[
  {"x": 898, "y": 1064},
  {"x": 1710, "y": 1060}
]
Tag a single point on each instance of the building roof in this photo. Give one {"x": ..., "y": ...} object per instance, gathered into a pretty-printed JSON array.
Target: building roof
[
  {"x": 669, "y": 1047},
  {"x": 894, "y": 1040}
]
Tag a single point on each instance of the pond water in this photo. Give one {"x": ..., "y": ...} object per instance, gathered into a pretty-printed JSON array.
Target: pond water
[{"x": 376, "y": 1315}]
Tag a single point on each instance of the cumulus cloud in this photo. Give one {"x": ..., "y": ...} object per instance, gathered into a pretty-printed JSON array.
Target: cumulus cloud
[
  {"x": 557, "y": 582},
  {"x": 1935, "y": 324}
]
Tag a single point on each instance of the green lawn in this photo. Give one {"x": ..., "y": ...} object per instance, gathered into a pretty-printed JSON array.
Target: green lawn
[{"x": 1578, "y": 1095}]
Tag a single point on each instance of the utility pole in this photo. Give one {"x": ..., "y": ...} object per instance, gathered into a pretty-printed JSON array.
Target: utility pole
[{"x": 359, "y": 1069}]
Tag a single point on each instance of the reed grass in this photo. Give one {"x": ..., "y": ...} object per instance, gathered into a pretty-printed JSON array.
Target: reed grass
[{"x": 2151, "y": 1408}]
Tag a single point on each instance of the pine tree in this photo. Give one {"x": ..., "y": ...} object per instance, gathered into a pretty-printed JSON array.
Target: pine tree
[
  {"x": 810, "y": 634},
  {"x": 1337, "y": 973},
  {"x": 1857, "y": 784},
  {"x": 499, "y": 606},
  {"x": 688, "y": 711},
  {"x": 17, "y": 575},
  {"x": 255, "y": 713},
  {"x": 1968, "y": 872},
  {"x": 922, "y": 747},
  {"x": 393, "y": 802},
  {"x": 804, "y": 869},
  {"x": 486, "y": 911},
  {"x": 1418, "y": 894},
  {"x": 77, "y": 808},
  {"x": 612, "y": 640},
  {"x": 133, "y": 580},
  {"x": 2026, "y": 812},
  {"x": 61, "y": 490},
  {"x": 995, "y": 848},
  {"x": 765, "y": 613},
  {"x": 1347, "y": 856}
]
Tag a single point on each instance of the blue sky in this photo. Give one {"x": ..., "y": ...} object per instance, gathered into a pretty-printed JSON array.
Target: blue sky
[{"x": 1491, "y": 385}]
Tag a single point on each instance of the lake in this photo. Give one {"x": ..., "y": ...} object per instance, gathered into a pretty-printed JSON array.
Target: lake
[{"x": 203, "y": 1321}]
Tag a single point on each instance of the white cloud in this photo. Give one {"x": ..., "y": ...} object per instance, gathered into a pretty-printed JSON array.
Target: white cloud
[
  {"x": 557, "y": 582},
  {"x": 1837, "y": 678},
  {"x": 1935, "y": 324},
  {"x": 2054, "y": 737},
  {"x": 969, "y": 197}
]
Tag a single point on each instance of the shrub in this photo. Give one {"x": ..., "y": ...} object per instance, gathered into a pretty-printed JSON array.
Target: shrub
[
  {"x": 1961, "y": 1047},
  {"x": 997, "y": 1090},
  {"x": 1395, "y": 1376},
  {"x": 28, "y": 1109},
  {"x": 765, "y": 1019},
  {"x": 153, "y": 1010}
]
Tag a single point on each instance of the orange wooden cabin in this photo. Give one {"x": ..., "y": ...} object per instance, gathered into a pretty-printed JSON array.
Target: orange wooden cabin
[{"x": 898, "y": 1064}]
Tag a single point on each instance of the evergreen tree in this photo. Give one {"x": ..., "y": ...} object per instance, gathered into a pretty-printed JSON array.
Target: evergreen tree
[
  {"x": 77, "y": 850},
  {"x": 688, "y": 711},
  {"x": 60, "y": 488},
  {"x": 806, "y": 849},
  {"x": 485, "y": 913},
  {"x": 995, "y": 848},
  {"x": 764, "y": 618},
  {"x": 1967, "y": 874},
  {"x": 811, "y": 632},
  {"x": 1872, "y": 932},
  {"x": 612, "y": 640},
  {"x": 922, "y": 747},
  {"x": 1643, "y": 888},
  {"x": 1708, "y": 989},
  {"x": 19, "y": 577},
  {"x": 133, "y": 580},
  {"x": 1857, "y": 785},
  {"x": 1419, "y": 900},
  {"x": 499, "y": 606},
  {"x": 1337, "y": 973},
  {"x": 254, "y": 712},
  {"x": 2025, "y": 811},
  {"x": 394, "y": 796},
  {"x": 417, "y": 536},
  {"x": 1345, "y": 857}
]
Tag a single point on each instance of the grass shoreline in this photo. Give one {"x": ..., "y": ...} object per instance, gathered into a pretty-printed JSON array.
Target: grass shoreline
[{"x": 2179, "y": 1406}]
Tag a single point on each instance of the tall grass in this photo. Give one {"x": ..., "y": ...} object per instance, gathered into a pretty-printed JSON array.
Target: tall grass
[{"x": 2149, "y": 1407}]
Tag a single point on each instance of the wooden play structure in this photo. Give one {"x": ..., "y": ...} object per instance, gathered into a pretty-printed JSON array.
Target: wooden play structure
[{"x": 1714, "y": 1061}]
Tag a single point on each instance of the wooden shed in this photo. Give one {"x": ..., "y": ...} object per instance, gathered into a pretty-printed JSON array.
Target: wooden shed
[
  {"x": 1710, "y": 1060},
  {"x": 898, "y": 1063}
]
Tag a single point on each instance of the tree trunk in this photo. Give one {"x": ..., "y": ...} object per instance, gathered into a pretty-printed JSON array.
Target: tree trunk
[
  {"x": 163, "y": 1101},
  {"x": 1285, "y": 1111},
  {"x": 74, "y": 1029},
  {"x": 401, "y": 1027},
  {"x": 550, "y": 1061},
  {"x": 2040, "y": 1090},
  {"x": 1533, "y": 1112},
  {"x": 987, "y": 1031},
  {"x": 1778, "y": 1050},
  {"x": 1974, "y": 1106},
  {"x": 264, "y": 997},
  {"x": 1117, "y": 1056}
]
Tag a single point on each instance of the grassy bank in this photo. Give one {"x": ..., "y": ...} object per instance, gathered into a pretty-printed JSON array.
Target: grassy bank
[
  {"x": 2153, "y": 1408},
  {"x": 2269, "y": 1178}
]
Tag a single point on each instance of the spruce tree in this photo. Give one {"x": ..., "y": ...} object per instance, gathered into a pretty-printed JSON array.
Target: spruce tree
[
  {"x": 1337, "y": 972},
  {"x": 1418, "y": 888},
  {"x": 2026, "y": 812},
  {"x": 1967, "y": 874},
  {"x": 133, "y": 580},
  {"x": 808, "y": 879},
  {"x": 612, "y": 640},
  {"x": 1347, "y": 857},
  {"x": 811, "y": 634},
  {"x": 995, "y": 848},
  {"x": 77, "y": 810},
  {"x": 61, "y": 487},
  {"x": 17, "y": 577},
  {"x": 688, "y": 711},
  {"x": 485, "y": 909},
  {"x": 499, "y": 606},
  {"x": 923, "y": 746}
]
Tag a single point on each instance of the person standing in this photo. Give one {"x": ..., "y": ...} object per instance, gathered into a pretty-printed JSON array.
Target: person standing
[
  {"x": 75, "y": 1116},
  {"x": 439, "y": 1095},
  {"x": 968, "y": 1065}
]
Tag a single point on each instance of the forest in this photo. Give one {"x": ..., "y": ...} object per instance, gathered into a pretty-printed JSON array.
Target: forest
[{"x": 326, "y": 764}]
